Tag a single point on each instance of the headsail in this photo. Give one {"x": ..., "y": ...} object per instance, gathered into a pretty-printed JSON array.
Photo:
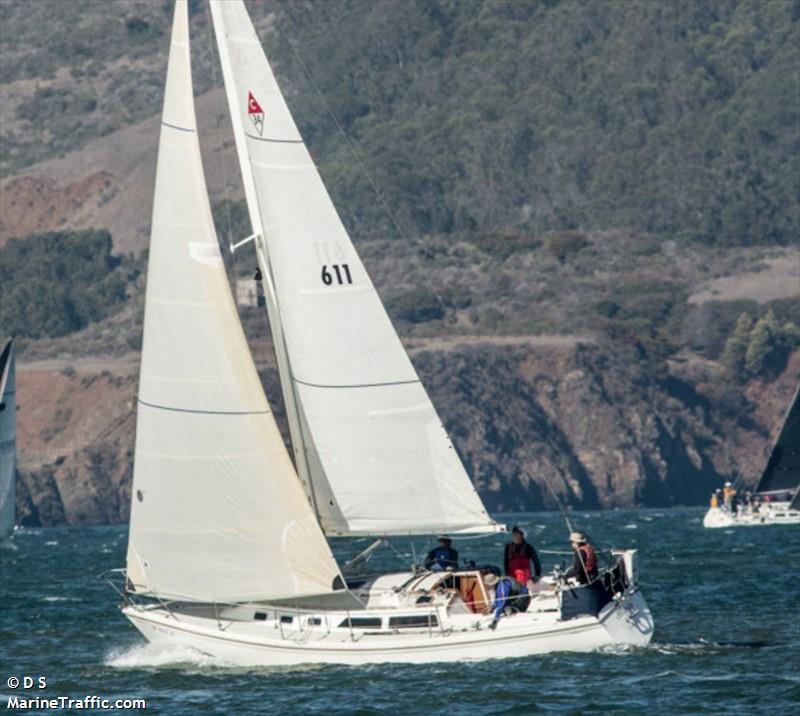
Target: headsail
[
  {"x": 217, "y": 511},
  {"x": 8, "y": 439},
  {"x": 371, "y": 448},
  {"x": 783, "y": 467}
]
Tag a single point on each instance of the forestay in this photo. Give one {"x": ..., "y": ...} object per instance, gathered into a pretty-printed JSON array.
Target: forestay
[
  {"x": 217, "y": 511},
  {"x": 8, "y": 439},
  {"x": 371, "y": 448}
]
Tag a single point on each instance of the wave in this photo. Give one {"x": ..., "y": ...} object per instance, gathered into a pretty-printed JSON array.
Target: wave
[
  {"x": 702, "y": 646},
  {"x": 147, "y": 656},
  {"x": 185, "y": 658}
]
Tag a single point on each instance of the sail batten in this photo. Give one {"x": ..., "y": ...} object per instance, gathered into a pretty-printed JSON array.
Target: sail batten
[
  {"x": 217, "y": 513},
  {"x": 371, "y": 449}
]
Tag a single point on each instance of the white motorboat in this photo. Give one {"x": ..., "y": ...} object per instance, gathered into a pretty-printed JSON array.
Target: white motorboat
[
  {"x": 227, "y": 547},
  {"x": 776, "y": 500},
  {"x": 8, "y": 440}
]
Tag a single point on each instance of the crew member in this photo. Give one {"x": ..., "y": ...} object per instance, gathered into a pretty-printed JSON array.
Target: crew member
[
  {"x": 714, "y": 500},
  {"x": 442, "y": 557},
  {"x": 510, "y": 595},
  {"x": 519, "y": 555},
  {"x": 584, "y": 563},
  {"x": 728, "y": 495}
]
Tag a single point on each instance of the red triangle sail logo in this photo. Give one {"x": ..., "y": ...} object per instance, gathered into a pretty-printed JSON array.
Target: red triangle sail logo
[
  {"x": 255, "y": 113},
  {"x": 253, "y": 107}
]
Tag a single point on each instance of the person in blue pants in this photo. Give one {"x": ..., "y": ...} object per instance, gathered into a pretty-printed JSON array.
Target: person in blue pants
[{"x": 509, "y": 596}]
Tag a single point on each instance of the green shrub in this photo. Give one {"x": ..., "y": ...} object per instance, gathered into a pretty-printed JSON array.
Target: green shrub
[
  {"x": 418, "y": 306},
  {"x": 759, "y": 348},
  {"x": 565, "y": 243},
  {"x": 503, "y": 244},
  {"x": 56, "y": 283}
]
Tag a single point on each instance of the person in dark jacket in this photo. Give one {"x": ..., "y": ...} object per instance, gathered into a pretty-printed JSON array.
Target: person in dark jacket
[
  {"x": 519, "y": 555},
  {"x": 510, "y": 595},
  {"x": 584, "y": 562},
  {"x": 442, "y": 557}
]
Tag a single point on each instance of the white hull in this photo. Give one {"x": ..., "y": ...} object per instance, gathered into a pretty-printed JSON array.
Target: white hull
[
  {"x": 776, "y": 514},
  {"x": 269, "y": 643}
]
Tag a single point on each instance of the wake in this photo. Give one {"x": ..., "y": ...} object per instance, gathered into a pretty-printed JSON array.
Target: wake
[{"x": 185, "y": 658}]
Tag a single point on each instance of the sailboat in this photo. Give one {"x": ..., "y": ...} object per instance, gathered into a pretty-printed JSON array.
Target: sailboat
[
  {"x": 8, "y": 439},
  {"x": 776, "y": 500},
  {"x": 228, "y": 547}
]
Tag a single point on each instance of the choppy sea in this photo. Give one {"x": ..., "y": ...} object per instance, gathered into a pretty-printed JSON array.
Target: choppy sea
[{"x": 726, "y": 605}]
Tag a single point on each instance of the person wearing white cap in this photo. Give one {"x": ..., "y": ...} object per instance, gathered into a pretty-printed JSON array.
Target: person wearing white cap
[
  {"x": 584, "y": 563},
  {"x": 510, "y": 595},
  {"x": 728, "y": 495}
]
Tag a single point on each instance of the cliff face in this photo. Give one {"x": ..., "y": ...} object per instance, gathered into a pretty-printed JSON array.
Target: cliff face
[
  {"x": 529, "y": 422},
  {"x": 75, "y": 442},
  {"x": 578, "y": 424}
]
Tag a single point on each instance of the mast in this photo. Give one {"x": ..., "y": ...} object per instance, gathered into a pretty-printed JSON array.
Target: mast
[{"x": 298, "y": 439}]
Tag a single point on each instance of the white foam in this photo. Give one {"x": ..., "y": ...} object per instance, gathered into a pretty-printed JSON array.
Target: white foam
[
  {"x": 60, "y": 599},
  {"x": 631, "y": 526},
  {"x": 165, "y": 656},
  {"x": 144, "y": 656}
]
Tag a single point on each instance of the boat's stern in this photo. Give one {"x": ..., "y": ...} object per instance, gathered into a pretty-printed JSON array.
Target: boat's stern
[
  {"x": 628, "y": 620},
  {"x": 615, "y": 600}
]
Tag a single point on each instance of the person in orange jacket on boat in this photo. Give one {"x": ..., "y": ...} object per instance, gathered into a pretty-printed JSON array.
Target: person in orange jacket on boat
[
  {"x": 584, "y": 563},
  {"x": 519, "y": 556},
  {"x": 729, "y": 496}
]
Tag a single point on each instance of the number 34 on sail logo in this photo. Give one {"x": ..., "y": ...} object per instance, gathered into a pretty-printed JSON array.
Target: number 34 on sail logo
[{"x": 255, "y": 113}]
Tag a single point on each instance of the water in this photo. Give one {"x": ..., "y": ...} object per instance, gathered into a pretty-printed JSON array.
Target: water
[{"x": 726, "y": 605}]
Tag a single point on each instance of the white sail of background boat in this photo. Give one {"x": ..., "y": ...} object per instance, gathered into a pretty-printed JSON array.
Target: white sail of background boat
[
  {"x": 8, "y": 439},
  {"x": 776, "y": 500},
  {"x": 227, "y": 550}
]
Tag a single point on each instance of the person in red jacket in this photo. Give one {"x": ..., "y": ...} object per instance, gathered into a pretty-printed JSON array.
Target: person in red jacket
[
  {"x": 519, "y": 556},
  {"x": 584, "y": 563}
]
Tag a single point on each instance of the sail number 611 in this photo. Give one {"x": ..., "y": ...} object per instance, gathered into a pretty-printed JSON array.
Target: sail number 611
[{"x": 337, "y": 273}]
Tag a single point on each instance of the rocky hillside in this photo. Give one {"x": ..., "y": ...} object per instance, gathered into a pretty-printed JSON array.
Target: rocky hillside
[{"x": 531, "y": 419}]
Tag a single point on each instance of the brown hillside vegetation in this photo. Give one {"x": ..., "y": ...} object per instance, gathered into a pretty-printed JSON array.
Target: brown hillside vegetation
[{"x": 108, "y": 182}]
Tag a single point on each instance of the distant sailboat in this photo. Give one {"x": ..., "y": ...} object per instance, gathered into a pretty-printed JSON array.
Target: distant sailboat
[
  {"x": 227, "y": 548},
  {"x": 8, "y": 439},
  {"x": 776, "y": 500}
]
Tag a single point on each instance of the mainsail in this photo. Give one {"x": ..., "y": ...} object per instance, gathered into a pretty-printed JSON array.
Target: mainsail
[
  {"x": 782, "y": 471},
  {"x": 217, "y": 511},
  {"x": 371, "y": 450},
  {"x": 8, "y": 439}
]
